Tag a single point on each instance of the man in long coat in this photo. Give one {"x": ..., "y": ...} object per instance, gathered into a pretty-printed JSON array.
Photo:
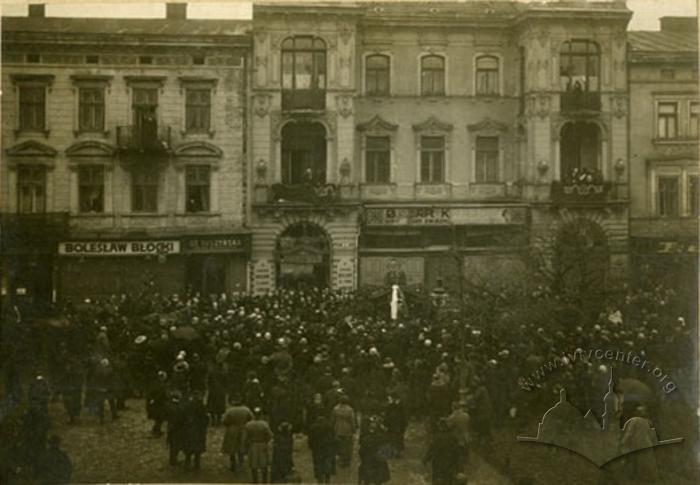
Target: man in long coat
[
  {"x": 323, "y": 449},
  {"x": 235, "y": 421},
  {"x": 258, "y": 436},
  {"x": 344, "y": 425},
  {"x": 195, "y": 431}
]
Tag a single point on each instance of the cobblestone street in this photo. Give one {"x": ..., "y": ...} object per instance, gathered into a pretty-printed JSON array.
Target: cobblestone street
[{"x": 124, "y": 451}]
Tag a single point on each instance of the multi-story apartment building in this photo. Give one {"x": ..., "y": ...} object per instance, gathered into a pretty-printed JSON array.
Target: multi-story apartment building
[
  {"x": 123, "y": 154},
  {"x": 387, "y": 137},
  {"x": 664, "y": 111}
]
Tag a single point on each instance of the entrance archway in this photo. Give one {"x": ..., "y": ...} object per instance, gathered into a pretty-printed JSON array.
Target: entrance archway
[
  {"x": 303, "y": 153},
  {"x": 581, "y": 257},
  {"x": 580, "y": 149},
  {"x": 303, "y": 257}
]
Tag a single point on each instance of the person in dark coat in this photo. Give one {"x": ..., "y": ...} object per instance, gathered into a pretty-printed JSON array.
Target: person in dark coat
[
  {"x": 374, "y": 468},
  {"x": 103, "y": 382},
  {"x": 235, "y": 421},
  {"x": 216, "y": 397},
  {"x": 195, "y": 431},
  {"x": 282, "y": 451},
  {"x": 323, "y": 449},
  {"x": 72, "y": 389},
  {"x": 396, "y": 422},
  {"x": 258, "y": 436},
  {"x": 444, "y": 455},
  {"x": 198, "y": 374},
  {"x": 157, "y": 402},
  {"x": 176, "y": 427},
  {"x": 38, "y": 395},
  {"x": 55, "y": 466}
]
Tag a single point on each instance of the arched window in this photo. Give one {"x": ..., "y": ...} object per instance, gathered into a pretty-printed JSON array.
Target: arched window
[
  {"x": 432, "y": 70},
  {"x": 580, "y": 66},
  {"x": 303, "y": 73},
  {"x": 487, "y": 75},
  {"x": 377, "y": 77}
]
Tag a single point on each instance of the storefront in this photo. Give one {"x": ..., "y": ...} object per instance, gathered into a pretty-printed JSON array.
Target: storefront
[
  {"x": 420, "y": 244},
  {"x": 216, "y": 264}
]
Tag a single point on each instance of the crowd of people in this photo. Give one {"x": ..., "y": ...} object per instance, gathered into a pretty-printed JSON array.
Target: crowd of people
[{"x": 327, "y": 364}]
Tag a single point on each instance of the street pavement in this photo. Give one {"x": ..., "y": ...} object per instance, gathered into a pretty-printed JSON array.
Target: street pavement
[{"x": 124, "y": 451}]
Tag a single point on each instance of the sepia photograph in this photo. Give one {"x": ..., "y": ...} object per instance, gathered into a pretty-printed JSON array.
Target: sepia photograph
[{"x": 408, "y": 242}]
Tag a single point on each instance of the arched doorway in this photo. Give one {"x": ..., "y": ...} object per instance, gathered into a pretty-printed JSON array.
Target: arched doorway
[
  {"x": 303, "y": 257},
  {"x": 580, "y": 150},
  {"x": 303, "y": 153},
  {"x": 581, "y": 257}
]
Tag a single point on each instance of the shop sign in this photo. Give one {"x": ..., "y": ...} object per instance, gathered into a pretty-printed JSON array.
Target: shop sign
[
  {"x": 302, "y": 258},
  {"x": 219, "y": 244},
  {"x": 427, "y": 216},
  {"x": 118, "y": 248}
]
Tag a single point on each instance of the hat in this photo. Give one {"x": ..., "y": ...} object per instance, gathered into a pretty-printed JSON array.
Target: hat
[
  {"x": 181, "y": 366},
  {"x": 104, "y": 362},
  {"x": 140, "y": 339}
]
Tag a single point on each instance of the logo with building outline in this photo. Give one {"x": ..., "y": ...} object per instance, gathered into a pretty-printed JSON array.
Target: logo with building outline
[{"x": 564, "y": 426}]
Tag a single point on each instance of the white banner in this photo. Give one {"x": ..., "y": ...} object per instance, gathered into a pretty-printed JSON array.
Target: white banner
[{"x": 118, "y": 248}]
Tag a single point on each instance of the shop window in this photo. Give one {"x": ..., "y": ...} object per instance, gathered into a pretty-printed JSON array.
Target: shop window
[
  {"x": 693, "y": 196},
  {"x": 91, "y": 188},
  {"x": 377, "y": 75},
  {"x": 667, "y": 120},
  {"x": 432, "y": 169},
  {"x": 91, "y": 110},
  {"x": 432, "y": 75},
  {"x": 487, "y": 75},
  {"x": 198, "y": 188},
  {"x": 487, "y": 159},
  {"x": 377, "y": 159},
  {"x": 693, "y": 131},
  {"x": 144, "y": 190},
  {"x": 303, "y": 73},
  {"x": 667, "y": 203},
  {"x": 32, "y": 108},
  {"x": 31, "y": 190}
]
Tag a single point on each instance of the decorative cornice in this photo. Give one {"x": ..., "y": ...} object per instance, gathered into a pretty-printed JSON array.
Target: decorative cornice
[
  {"x": 90, "y": 148},
  {"x": 32, "y": 78},
  {"x": 91, "y": 78},
  {"x": 377, "y": 123},
  {"x": 488, "y": 124},
  {"x": 199, "y": 149},
  {"x": 145, "y": 79},
  {"x": 31, "y": 148},
  {"x": 433, "y": 124}
]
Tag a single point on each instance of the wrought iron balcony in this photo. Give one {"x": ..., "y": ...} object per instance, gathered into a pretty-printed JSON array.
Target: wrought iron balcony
[
  {"x": 580, "y": 101},
  {"x": 303, "y": 99},
  {"x": 580, "y": 191},
  {"x": 312, "y": 194},
  {"x": 151, "y": 140}
]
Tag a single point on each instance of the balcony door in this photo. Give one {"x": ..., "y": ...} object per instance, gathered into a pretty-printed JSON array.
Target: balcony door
[
  {"x": 304, "y": 154},
  {"x": 145, "y": 104},
  {"x": 580, "y": 150}
]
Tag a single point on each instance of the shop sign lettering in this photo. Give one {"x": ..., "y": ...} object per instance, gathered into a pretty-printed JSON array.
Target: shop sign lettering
[{"x": 118, "y": 248}]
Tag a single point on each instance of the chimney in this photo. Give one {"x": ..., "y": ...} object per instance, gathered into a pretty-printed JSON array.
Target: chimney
[
  {"x": 679, "y": 24},
  {"x": 176, "y": 11},
  {"x": 37, "y": 10}
]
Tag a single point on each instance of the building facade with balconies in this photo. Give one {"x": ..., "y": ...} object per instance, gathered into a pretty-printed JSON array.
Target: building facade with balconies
[
  {"x": 388, "y": 137},
  {"x": 664, "y": 114},
  {"x": 124, "y": 154}
]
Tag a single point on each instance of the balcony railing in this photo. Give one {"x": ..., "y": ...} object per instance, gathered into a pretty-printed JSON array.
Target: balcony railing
[
  {"x": 303, "y": 99},
  {"x": 580, "y": 191},
  {"x": 144, "y": 140},
  {"x": 580, "y": 101},
  {"x": 312, "y": 194}
]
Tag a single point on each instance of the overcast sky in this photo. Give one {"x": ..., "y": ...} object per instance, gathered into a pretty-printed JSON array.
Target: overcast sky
[{"x": 646, "y": 12}]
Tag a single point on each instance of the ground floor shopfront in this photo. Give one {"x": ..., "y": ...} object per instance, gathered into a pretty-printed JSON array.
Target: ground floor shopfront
[
  {"x": 102, "y": 267},
  {"x": 431, "y": 245}
]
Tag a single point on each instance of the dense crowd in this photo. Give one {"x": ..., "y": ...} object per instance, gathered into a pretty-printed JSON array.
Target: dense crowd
[{"x": 328, "y": 364}]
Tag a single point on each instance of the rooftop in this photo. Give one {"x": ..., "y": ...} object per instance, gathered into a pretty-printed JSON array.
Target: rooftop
[{"x": 658, "y": 41}]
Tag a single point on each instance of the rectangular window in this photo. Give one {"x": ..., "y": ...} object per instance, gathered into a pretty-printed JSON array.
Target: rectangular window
[
  {"x": 693, "y": 120},
  {"x": 667, "y": 120},
  {"x": 668, "y": 196},
  {"x": 377, "y": 75},
  {"x": 486, "y": 159},
  {"x": 31, "y": 190},
  {"x": 378, "y": 159},
  {"x": 693, "y": 195},
  {"x": 487, "y": 75},
  {"x": 433, "y": 75},
  {"x": 92, "y": 110},
  {"x": 144, "y": 191},
  {"x": 432, "y": 167},
  {"x": 91, "y": 189},
  {"x": 32, "y": 108},
  {"x": 197, "y": 180},
  {"x": 198, "y": 110}
]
